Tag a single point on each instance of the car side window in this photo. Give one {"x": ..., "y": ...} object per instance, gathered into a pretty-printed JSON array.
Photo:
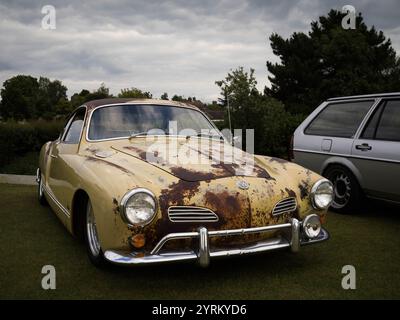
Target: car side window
[
  {"x": 370, "y": 129},
  {"x": 73, "y": 132},
  {"x": 339, "y": 119},
  {"x": 389, "y": 123}
]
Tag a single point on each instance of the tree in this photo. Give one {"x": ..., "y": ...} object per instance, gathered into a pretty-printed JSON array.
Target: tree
[
  {"x": 78, "y": 99},
  {"x": 250, "y": 109},
  {"x": 239, "y": 90},
  {"x": 19, "y": 97},
  {"x": 63, "y": 107},
  {"x": 24, "y": 97},
  {"x": 178, "y": 98},
  {"x": 134, "y": 93},
  {"x": 101, "y": 93},
  {"x": 330, "y": 61},
  {"x": 164, "y": 96},
  {"x": 49, "y": 95}
]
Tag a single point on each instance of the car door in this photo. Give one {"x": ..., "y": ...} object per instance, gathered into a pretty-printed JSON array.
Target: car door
[
  {"x": 377, "y": 151},
  {"x": 329, "y": 131},
  {"x": 62, "y": 155}
]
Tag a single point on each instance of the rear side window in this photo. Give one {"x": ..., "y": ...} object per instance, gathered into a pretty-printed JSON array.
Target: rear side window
[
  {"x": 339, "y": 119},
  {"x": 389, "y": 124}
]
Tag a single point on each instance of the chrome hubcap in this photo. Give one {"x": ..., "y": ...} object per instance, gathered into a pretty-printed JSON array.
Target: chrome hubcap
[
  {"x": 342, "y": 189},
  {"x": 40, "y": 188},
  {"x": 93, "y": 240}
]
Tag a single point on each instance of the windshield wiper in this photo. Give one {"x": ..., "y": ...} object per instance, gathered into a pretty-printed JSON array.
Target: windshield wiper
[
  {"x": 135, "y": 134},
  {"x": 209, "y": 135}
]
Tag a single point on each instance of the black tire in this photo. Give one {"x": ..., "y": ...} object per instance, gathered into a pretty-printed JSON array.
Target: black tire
[
  {"x": 93, "y": 248},
  {"x": 347, "y": 191},
  {"x": 40, "y": 194}
]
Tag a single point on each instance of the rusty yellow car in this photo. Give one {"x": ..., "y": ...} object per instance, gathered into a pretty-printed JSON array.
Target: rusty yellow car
[{"x": 151, "y": 181}]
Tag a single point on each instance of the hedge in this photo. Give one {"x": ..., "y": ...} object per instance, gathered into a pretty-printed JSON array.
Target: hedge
[{"x": 16, "y": 139}]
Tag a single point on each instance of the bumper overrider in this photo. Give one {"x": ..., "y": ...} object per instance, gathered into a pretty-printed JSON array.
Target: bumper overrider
[{"x": 293, "y": 235}]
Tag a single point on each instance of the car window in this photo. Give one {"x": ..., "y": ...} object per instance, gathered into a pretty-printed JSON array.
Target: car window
[
  {"x": 389, "y": 124},
  {"x": 73, "y": 133},
  {"x": 370, "y": 128},
  {"x": 124, "y": 120},
  {"x": 339, "y": 119}
]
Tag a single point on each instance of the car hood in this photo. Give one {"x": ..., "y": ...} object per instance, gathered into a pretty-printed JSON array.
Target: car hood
[{"x": 196, "y": 159}]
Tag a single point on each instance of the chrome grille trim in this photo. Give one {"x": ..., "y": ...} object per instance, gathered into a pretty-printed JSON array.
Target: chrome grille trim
[
  {"x": 191, "y": 214},
  {"x": 284, "y": 206}
]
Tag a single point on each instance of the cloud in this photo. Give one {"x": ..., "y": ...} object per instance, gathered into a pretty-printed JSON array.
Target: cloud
[{"x": 178, "y": 47}]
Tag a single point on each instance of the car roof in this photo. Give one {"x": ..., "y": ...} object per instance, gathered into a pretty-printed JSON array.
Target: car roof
[
  {"x": 101, "y": 102},
  {"x": 376, "y": 95}
]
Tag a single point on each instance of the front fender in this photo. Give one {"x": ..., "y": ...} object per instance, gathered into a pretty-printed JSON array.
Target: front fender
[{"x": 106, "y": 181}]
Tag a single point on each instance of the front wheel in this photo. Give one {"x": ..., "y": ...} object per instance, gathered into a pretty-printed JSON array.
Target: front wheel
[
  {"x": 347, "y": 192},
  {"x": 40, "y": 194},
  {"x": 94, "y": 251}
]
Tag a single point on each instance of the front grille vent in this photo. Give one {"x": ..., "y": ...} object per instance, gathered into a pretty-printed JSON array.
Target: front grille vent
[
  {"x": 191, "y": 214},
  {"x": 285, "y": 206}
]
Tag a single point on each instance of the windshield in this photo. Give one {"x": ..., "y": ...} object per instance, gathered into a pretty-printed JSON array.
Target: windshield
[{"x": 130, "y": 120}]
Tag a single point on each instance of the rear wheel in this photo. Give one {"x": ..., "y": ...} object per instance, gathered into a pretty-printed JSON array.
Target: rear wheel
[
  {"x": 347, "y": 192},
  {"x": 91, "y": 238}
]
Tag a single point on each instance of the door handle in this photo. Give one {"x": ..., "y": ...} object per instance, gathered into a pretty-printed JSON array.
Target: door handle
[
  {"x": 53, "y": 156},
  {"x": 363, "y": 147}
]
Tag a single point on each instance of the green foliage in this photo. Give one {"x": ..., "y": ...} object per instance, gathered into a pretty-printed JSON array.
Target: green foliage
[
  {"x": 178, "y": 98},
  {"x": 19, "y": 97},
  {"x": 330, "y": 61},
  {"x": 78, "y": 99},
  {"x": 164, "y": 96},
  {"x": 250, "y": 109},
  {"x": 134, "y": 93},
  {"x": 17, "y": 139},
  {"x": 24, "y": 97}
]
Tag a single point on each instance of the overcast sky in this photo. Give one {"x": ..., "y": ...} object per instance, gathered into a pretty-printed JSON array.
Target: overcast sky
[{"x": 178, "y": 47}]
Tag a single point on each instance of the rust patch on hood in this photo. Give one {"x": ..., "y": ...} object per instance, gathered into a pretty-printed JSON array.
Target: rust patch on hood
[
  {"x": 108, "y": 163},
  {"x": 200, "y": 165},
  {"x": 290, "y": 192},
  {"x": 190, "y": 175},
  {"x": 303, "y": 189}
]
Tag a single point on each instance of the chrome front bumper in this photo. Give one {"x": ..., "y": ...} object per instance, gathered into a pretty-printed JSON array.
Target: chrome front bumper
[{"x": 292, "y": 238}]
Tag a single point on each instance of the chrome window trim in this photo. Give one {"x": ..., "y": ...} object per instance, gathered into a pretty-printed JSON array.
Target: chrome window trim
[
  {"x": 125, "y": 199},
  {"x": 141, "y": 103},
  {"x": 350, "y": 155},
  {"x": 366, "y": 118},
  {"x": 376, "y": 95},
  {"x": 53, "y": 197},
  {"x": 61, "y": 139}
]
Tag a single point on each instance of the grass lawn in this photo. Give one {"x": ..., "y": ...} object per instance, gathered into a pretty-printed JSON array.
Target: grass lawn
[{"x": 31, "y": 236}]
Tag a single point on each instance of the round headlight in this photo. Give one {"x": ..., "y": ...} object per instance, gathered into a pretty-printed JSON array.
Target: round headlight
[
  {"x": 322, "y": 194},
  {"x": 312, "y": 226},
  {"x": 138, "y": 207}
]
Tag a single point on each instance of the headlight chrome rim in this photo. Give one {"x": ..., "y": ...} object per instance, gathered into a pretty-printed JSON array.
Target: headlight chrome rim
[
  {"x": 314, "y": 190},
  {"x": 124, "y": 202}
]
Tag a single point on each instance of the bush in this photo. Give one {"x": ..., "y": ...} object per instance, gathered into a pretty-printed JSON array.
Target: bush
[{"x": 17, "y": 139}]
